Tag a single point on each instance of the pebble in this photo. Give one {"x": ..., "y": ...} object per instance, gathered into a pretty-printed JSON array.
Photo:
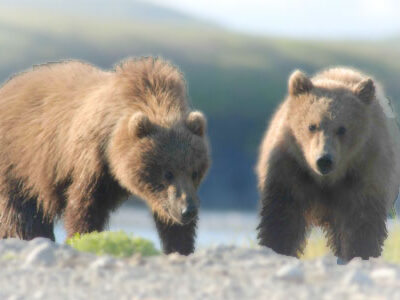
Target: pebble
[
  {"x": 42, "y": 254},
  {"x": 103, "y": 262},
  {"x": 45, "y": 270},
  {"x": 357, "y": 277},
  {"x": 292, "y": 272},
  {"x": 176, "y": 258},
  {"x": 384, "y": 274}
]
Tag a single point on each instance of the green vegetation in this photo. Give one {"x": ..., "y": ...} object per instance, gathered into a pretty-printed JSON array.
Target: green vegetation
[
  {"x": 117, "y": 244},
  {"x": 316, "y": 246},
  {"x": 391, "y": 250}
]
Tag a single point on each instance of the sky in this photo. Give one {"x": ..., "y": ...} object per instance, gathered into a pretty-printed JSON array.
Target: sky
[{"x": 347, "y": 19}]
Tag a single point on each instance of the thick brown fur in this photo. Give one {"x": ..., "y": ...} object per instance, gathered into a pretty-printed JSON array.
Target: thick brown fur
[
  {"x": 76, "y": 140},
  {"x": 351, "y": 202}
]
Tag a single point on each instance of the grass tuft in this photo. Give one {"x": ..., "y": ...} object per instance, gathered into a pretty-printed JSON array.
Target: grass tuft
[
  {"x": 391, "y": 249},
  {"x": 316, "y": 246},
  {"x": 9, "y": 256},
  {"x": 118, "y": 244}
]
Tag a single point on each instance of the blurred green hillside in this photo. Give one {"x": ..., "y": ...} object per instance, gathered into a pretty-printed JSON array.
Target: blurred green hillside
[{"x": 236, "y": 79}]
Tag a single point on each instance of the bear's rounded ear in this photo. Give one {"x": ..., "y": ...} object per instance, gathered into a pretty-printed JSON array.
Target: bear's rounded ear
[
  {"x": 196, "y": 122},
  {"x": 140, "y": 125},
  {"x": 365, "y": 90},
  {"x": 299, "y": 83}
]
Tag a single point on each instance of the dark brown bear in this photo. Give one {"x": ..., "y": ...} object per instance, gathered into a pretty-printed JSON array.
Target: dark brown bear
[
  {"x": 76, "y": 141},
  {"x": 328, "y": 159}
]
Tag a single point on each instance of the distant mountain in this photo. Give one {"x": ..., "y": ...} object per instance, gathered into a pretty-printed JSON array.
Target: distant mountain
[
  {"x": 138, "y": 10},
  {"x": 236, "y": 79}
]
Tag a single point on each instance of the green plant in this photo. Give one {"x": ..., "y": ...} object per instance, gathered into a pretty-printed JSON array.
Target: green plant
[
  {"x": 391, "y": 249},
  {"x": 316, "y": 246},
  {"x": 117, "y": 244},
  {"x": 9, "y": 256}
]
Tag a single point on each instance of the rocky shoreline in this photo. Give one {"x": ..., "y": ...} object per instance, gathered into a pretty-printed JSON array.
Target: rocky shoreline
[{"x": 41, "y": 269}]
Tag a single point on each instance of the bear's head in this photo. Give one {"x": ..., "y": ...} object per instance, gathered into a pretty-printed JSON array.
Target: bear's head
[
  {"x": 163, "y": 165},
  {"x": 329, "y": 122}
]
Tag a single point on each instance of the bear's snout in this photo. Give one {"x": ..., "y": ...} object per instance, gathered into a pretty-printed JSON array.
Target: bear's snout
[
  {"x": 325, "y": 164},
  {"x": 182, "y": 208}
]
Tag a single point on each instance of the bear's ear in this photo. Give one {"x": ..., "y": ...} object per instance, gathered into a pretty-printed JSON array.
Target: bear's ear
[
  {"x": 365, "y": 90},
  {"x": 196, "y": 122},
  {"x": 299, "y": 83},
  {"x": 140, "y": 125}
]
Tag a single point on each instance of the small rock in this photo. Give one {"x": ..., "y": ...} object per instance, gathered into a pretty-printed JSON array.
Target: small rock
[
  {"x": 136, "y": 259},
  {"x": 290, "y": 272},
  {"x": 103, "y": 262},
  {"x": 43, "y": 254},
  {"x": 356, "y": 262},
  {"x": 38, "y": 294},
  {"x": 384, "y": 274},
  {"x": 14, "y": 297},
  {"x": 357, "y": 277},
  {"x": 205, "y": 262},
  {"x": 39, "y": 241},
  {"x": 65, "y": 247},
  {"x": 13, "y": 244},
  {"x": 322, "y": 265},
  {"x": 176, "y": 258}
]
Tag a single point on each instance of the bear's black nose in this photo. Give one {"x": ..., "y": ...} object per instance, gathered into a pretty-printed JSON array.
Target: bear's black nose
[
  {"x": 325, "y": 164},
  {"x": 188, "y": 213}
]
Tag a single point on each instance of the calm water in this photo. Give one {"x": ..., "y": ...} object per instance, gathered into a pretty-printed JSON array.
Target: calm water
[{"x": 230, "y": 227}]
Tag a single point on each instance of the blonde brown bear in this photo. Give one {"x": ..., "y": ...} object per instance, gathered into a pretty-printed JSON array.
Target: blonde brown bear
[
  {"x": 76, "y": 141},
  {"x": 328, "y": 159}
]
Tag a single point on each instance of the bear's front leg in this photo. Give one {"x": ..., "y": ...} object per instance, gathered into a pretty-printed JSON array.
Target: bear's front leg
[
  {"x": 176, "y": 237},
  {"x": 87, "y": 210},
  {"x": 283, "y": 226},
  {"x": 84, "y": 218},
  {"x": 360, "y": 231}
]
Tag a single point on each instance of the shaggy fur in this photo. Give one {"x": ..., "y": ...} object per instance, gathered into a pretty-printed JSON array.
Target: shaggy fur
[
  {"x": 339, "y": 112},
  {"x": 76, "y": 140}
]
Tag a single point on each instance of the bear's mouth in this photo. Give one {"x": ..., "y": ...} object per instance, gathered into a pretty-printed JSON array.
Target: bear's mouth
[
  {"x": 322, "y": 174},
  {"x": 171, "y": 214},
  {"x": 176, "y": 215}
]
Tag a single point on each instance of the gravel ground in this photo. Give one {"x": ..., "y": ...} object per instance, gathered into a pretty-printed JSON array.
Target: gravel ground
[{"x": 41, "y": 269}]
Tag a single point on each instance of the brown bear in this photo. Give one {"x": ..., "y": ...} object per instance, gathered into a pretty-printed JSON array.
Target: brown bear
[
  {"x": 76, "y": 140},
  {"x": 328, "y": 159}
]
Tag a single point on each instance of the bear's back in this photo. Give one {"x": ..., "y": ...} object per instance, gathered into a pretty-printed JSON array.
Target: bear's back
[
  {"x": 41, "y": 81},
  {"x": 40, "y": 111},
  {"x": 56, "y": 119}
]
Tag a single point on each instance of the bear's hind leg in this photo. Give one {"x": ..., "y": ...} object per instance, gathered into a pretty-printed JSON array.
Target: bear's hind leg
[
  {"x": 175, "y": 237},
  {"x": 22, "y": 218},
  {"x": 283, "y": 226}
]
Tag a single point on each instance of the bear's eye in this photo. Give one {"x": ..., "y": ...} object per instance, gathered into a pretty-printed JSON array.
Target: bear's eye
[
  {"x": 341, "y": 130},
  {"x": 195, "y": 175},
  {"x": 312, "y": 127},
  {"x": 168, "y": 175}
]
